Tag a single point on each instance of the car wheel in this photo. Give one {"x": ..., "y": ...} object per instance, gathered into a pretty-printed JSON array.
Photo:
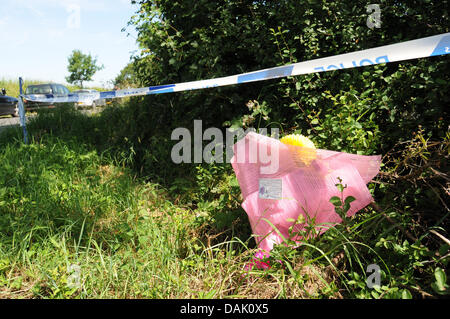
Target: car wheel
[{"x": 16, "y": 112}]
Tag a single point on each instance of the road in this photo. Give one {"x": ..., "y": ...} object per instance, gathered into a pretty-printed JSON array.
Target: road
[{"x": 6, "y": 122}]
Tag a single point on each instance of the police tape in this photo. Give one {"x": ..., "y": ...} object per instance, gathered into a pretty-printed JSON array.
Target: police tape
[{"x": 414, "y": 49}]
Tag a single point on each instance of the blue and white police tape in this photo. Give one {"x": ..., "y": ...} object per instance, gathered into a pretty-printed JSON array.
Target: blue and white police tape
[{"x": 414, "y": 49}]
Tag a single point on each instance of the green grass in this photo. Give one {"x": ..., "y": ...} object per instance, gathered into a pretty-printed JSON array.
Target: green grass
[
  {"x": 12, "y": 86},
  {"x": 61, "y": 205},
  {"x": 71, "y": 197}
]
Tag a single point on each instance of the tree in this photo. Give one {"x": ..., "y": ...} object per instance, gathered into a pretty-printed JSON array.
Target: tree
[
  {"x": 127, "y": 77},
  {"x": 82, "y": 67},
  {"x": 184, "y": 41}
]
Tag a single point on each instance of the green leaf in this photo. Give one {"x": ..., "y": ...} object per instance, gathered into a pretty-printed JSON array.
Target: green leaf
[
  {"x": 349, "y": 199},
  {"x": 340, "y": 212},
  {"x": 406, "y": 294},
  {"x": 377, "y": 288},
  {"x": 441, "y": 278},
  {"x": 336, "y": 201},
  {"x": 346, "y": 207},
  {"x": 340, "y": 188}
]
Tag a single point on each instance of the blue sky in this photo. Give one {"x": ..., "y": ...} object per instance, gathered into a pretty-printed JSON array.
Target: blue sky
[{"x": 37, "y": 36}]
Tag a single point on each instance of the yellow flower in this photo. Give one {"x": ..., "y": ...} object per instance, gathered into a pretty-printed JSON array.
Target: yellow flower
[
  {"x": 298, "y": 140},
  {"x": 301, "y": 147}
]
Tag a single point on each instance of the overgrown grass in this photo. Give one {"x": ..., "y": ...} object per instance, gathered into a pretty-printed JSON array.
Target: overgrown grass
[
  {"x": 74, "y": 205},
  {"x": 63, "y": 204}
]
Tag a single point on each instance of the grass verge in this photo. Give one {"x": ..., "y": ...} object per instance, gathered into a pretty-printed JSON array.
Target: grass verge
[{"x": 77, "y": 222}]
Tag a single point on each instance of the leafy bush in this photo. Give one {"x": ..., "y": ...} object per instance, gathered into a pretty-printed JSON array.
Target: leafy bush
[{"x": 370, "y": 110}]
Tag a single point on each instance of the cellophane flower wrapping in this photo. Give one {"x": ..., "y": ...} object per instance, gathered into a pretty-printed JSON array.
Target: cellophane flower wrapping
[{"x": 303, "y": 182}]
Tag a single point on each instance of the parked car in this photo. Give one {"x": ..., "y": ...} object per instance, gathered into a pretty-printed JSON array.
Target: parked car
[
  {"x": 99, "y": 102},
  {"x": 8, "y": 104},
  {"x": 44, "y": 89}
]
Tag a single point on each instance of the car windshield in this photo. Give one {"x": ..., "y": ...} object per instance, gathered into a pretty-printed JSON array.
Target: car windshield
[{"x": 39, "y": 89}]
